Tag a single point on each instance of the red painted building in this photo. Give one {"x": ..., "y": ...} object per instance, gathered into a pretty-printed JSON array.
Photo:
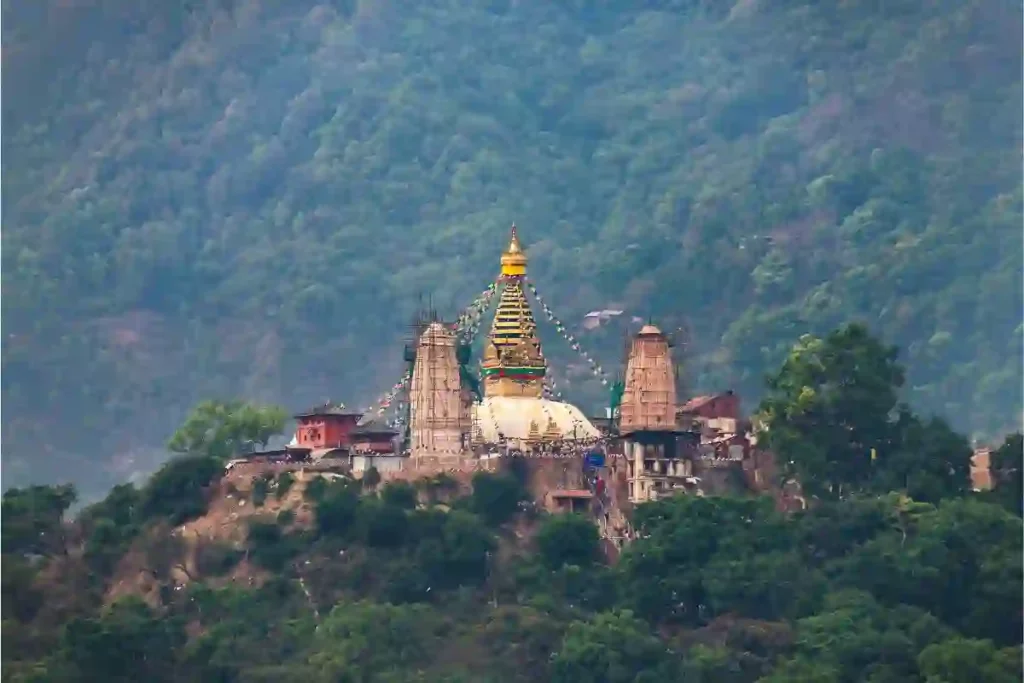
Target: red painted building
[
  {"x": 327, "y": 426},
  {"x": 373, "y": 437},
  {"x": 718, "y": 406}
]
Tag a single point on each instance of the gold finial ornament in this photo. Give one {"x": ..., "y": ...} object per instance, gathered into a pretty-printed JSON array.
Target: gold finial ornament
[{"x": 513, "y": 261}]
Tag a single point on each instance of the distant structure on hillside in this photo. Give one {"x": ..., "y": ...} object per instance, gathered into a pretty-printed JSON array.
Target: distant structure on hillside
[
  {"x": 513, "y": 411},
  {"x": 659, "y": 455},
  {"x": 505, "y": 413},
  {"x": 595, "y": 319},
  {"x": 438, "y": 417},
  {"x": 981, "y": 469}
]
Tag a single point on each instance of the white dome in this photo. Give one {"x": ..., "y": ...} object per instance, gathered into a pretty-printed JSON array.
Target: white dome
[{"x": 513, "y": 415}]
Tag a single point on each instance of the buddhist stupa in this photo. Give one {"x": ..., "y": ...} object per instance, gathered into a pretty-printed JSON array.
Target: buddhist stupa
[{"x": 513, "y": 369}]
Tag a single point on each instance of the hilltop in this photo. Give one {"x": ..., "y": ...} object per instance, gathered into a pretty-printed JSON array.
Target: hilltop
[
  {"x": 244, "y": 198},
  {"x": 892, "y": 569},
  {"x": 306, "y": 579}
]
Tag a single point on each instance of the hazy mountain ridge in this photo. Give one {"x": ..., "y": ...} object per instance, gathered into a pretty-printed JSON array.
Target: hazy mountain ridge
[{"x": 280, "y": 185}]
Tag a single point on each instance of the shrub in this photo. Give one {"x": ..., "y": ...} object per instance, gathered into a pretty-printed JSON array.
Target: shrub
[
  {"x": 260, "y": 489},
  {"x": 285, "y": 518},
  {"x": 496, "y": 497},
  {"x": 216, "y": 559},
  {"x": 177, "y": 492},
  {"x": 336, "y": 509},
  {"x": 284, "y": 484},
  {"x": 270, "y": 547},
  {"x": 371, "y": 478},
  {"x": 567, "y": 539},
  {"x": 400, "y": 494},
  {"x": 382, "y": 525},
  {"x": 315, "y": 490}
]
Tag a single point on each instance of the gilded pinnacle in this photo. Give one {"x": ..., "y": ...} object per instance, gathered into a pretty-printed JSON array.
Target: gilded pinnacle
[{"x": 513, "y": 261}]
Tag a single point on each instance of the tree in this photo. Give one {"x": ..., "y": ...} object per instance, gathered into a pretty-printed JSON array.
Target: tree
[
  {"x": 163, "y": 551},
  {"x": 830, "y": 408},
  {"x": 524, "y": 635},
  {"x": 804, "y": 670},
  {"x": 458, "y": 555},
  {"x": 613, "y": 647},
  {"x": 371, "y": 478},
  {"x": 960, "y": 560},
  {"x": 32, "y": 519},
  {"x": 381, "y": 525},
  {"x": 110, "y": 526},
  {"x": 832, "y": 528},
  {"x": 336, "y": 506},
  {"x": 664, "y": 574},
  {"x": 363, "y": 641},
  {"x": 496, "y": 497},
  {"x": 400, "y": 494},
  {"x": 713, "y": 665},
  {"x": 858, "y": 639},
  {"x": 177, "y": 491},
  {"x": 127, "y": 642},
  {"x": 962, "y": 660},
  {"x": 769, "y": 586},
  {"x": 221, "y": 430},
  {"x": 269, "y": 546},
  {"x": 21, "y": 598},
  {"x": 568, "y": 539},
  {"x": 926, "y": 458}
]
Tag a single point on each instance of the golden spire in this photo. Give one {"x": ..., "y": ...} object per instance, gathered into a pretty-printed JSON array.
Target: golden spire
[
  {"x": 513, "y": 261},
  {"x": 513, "y": 363},
  {"x": 513, "y": 321}
]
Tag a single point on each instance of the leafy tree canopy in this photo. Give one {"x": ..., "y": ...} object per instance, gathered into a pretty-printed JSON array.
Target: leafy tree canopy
[
  {"x": 220, "y": 430},
  {"x": 729, "y": 589},
  {"x": 32, "y": 518},
  {"x": 833, "y": 409}
]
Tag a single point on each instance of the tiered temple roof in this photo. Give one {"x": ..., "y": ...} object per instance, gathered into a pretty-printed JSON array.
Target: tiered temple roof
[
  {"x": 513, "y": 362},
  {"x": 513, "y": 368}
]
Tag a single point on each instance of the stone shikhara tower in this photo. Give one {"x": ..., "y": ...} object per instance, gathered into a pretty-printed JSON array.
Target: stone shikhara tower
[
  {"x": 649, "y": 399},
  {"x": 656, "y": 466},
  {"x": 438, "y": 417}
]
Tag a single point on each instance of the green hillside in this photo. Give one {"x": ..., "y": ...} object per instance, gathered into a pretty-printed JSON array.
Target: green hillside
[
  {"x": 376, "y": 592},
  {"x": 894, "y": 570},
  {"x": 226, "y": 577},
  {"x": 243, "y": 198}
]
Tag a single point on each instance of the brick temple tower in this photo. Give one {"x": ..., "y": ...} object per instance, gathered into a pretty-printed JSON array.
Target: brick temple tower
[
  {"x": 657, "y": 453},
  {"x": 649, "y": 399},
  {"x": 438, "y": 419}
]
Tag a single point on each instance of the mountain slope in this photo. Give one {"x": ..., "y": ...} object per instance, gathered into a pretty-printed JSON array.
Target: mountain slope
[{"x": 248, "y": 198}]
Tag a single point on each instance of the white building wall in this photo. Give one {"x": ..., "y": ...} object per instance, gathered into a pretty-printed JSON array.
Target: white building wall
[{"x": 383, "y": 463}]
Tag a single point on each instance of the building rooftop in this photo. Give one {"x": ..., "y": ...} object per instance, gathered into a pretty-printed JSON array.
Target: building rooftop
[
  {"x": 695, "y": 403},
  {"x": 329, "y": 408},
  {"x": 374, "y": 428}
]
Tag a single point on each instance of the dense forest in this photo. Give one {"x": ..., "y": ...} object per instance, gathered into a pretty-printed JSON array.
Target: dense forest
[
  {"x": 246, "y": 198},
  {"x": 896, "y": 572}
]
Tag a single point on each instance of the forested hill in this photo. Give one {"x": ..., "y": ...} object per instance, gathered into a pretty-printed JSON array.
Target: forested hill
[{"x": 248, "y": 198}]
